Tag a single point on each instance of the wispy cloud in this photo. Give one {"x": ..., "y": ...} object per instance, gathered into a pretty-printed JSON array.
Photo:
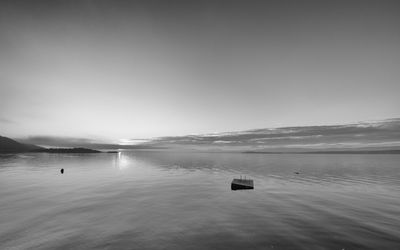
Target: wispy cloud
[
  {"x": 5, "y": 120},
  {"x": 133, "y": 141},
  {"x": 384, "y": 133},
  {"x": 56, "y": 141}
]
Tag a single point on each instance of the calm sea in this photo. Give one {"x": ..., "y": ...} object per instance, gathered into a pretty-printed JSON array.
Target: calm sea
[{"x": 163, "y": 200}]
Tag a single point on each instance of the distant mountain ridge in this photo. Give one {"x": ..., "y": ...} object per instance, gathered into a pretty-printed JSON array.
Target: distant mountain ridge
[{"x": 9, "y": 146}]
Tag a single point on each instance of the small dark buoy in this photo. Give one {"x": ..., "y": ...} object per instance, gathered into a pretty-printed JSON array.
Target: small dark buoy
[
  {"x": 62, "y": 171},
  {"x": 296, "y": 172}
]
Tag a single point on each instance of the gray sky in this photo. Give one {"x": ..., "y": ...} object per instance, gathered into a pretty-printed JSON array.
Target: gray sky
[{"x": 112, "y": 71}]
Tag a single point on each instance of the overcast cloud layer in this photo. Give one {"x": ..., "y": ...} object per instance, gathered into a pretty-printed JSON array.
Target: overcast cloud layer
[{"x": 377, "y": 135}]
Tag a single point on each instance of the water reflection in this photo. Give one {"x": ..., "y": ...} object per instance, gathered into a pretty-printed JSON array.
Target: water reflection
[{"x": 121, "y": 161}]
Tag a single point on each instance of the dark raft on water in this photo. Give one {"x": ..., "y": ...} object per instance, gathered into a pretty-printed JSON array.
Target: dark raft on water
[{"x": 238, "y": 184}]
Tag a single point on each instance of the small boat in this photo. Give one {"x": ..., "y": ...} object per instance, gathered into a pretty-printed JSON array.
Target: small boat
[{"x": 238, "y": 184}]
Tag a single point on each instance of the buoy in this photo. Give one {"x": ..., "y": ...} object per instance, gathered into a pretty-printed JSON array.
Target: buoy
[{"x": 62, "y": 171}]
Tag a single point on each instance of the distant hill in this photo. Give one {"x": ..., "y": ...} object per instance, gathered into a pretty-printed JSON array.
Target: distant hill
[{"x": 9, "y": 146}]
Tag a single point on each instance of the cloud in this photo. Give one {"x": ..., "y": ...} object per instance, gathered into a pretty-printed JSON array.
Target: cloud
[
  {"x": 384, "y": 133},
  {"x": 56, "y": 141},
  {"x": 374, "y": 134},
  {"x": 5, "y": 120}
]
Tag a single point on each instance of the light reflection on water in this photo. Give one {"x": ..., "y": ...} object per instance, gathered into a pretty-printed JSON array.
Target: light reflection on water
[{"x": 164, "y": 200}]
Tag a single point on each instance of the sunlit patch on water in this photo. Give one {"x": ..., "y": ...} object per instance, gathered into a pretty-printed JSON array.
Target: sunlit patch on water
[{"x": 121, "y": 161}]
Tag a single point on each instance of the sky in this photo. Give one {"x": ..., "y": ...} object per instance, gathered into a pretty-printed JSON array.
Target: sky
[{"x": 125, "y": 71}]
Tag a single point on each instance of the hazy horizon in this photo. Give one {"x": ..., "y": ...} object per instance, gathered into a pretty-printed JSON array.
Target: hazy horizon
[{"x": 371, "y": 135}]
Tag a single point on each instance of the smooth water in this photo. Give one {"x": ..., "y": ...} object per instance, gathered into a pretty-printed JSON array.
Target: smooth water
[{"x": 163, "y": 200}]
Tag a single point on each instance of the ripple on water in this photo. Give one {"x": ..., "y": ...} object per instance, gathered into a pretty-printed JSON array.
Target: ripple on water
[{"x": 150, "y": 200}]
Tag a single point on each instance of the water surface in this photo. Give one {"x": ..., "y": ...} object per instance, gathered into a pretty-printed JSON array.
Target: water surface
[{"x": 164, "y": 200}]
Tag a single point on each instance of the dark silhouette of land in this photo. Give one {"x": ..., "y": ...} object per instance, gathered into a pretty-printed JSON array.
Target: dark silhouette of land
[{"x": 10, "y": 146}]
